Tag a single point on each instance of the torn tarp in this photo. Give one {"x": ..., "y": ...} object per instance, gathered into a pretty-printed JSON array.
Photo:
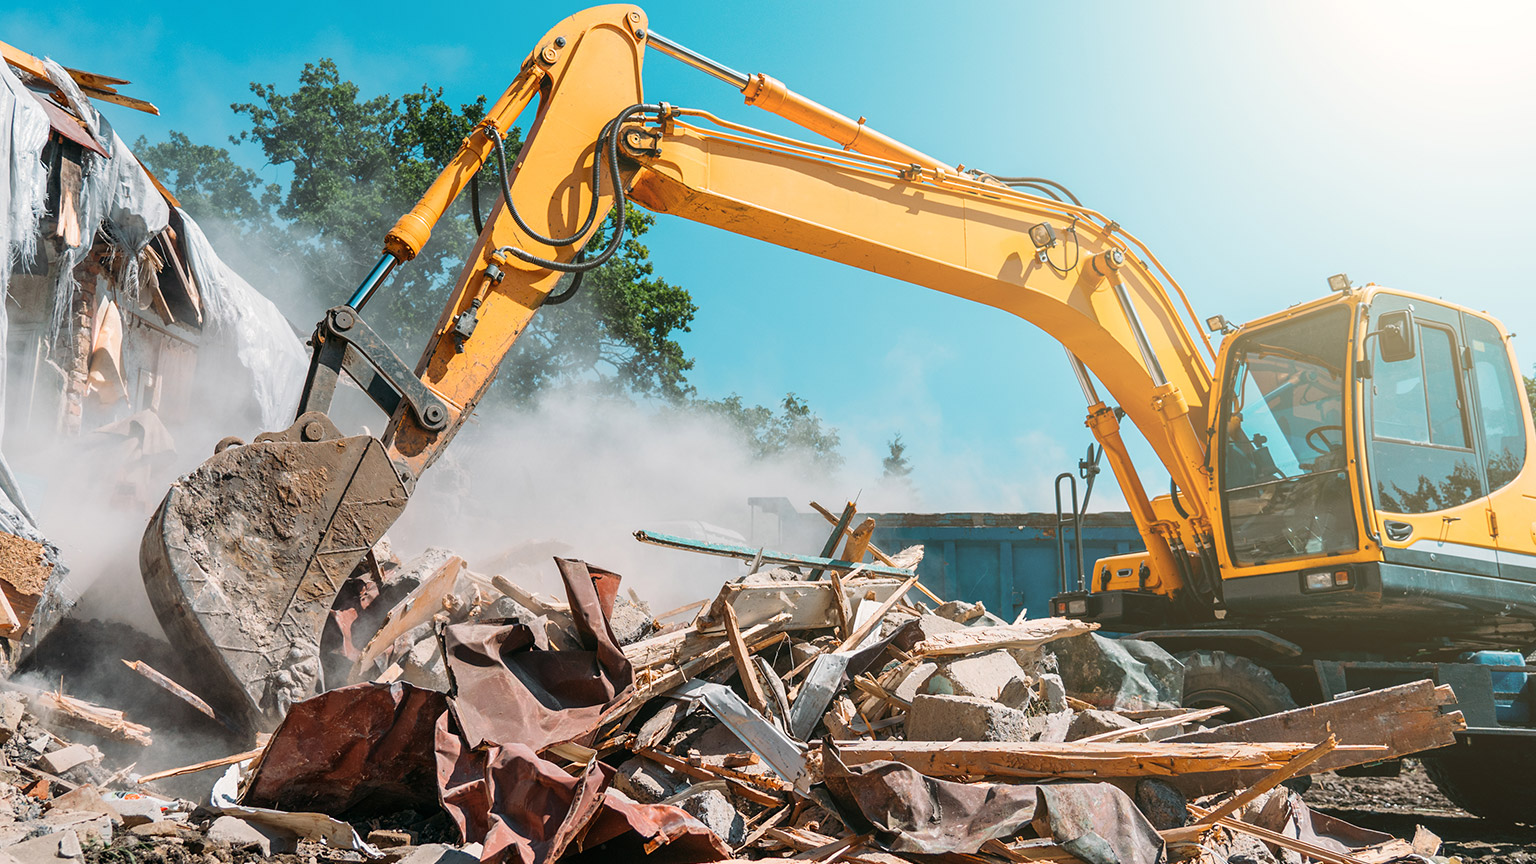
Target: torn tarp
[{"x": 913, "y": 813}]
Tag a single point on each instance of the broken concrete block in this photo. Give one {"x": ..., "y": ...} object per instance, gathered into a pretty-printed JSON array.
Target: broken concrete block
[
  {"x": 1053, "y": 693},
  {"x": 984, "y": 675},
  {"x": 914, "y": 680},
  {"x": 1093, "y": 722},
  {"x": 1050, "y": 728},
  {"x": 438, "y": 853},
  {"x": 1125, "y": 674},
  {"x": 1162, "y": 803},
  {"x": 389, "y": 838},
  {"x": 86, "y": 800},
  {"x": 45, "y": 849},
  {"x": 1017, "y": 694},
  {"x": 714, "y": 809},
  {"x": 65, "y": 758},
  {"x": 631, "y": 621},
  {"x": 13, "y": 706},
  {"x": 960, "y": 611},
  {"x": 240, "y": 834},
  {"x": 964, "y": 718},
  {"x": 646, "y": 782},
  {"x": 69, "y": 845},
  {"x": 159, "y": 828}
]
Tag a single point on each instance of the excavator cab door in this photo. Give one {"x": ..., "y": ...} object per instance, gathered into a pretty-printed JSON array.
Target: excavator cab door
[{"x": 1425, "y": 442}]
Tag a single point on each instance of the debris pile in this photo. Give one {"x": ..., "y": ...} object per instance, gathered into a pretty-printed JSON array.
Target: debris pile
[{"x": 814, "y": 708}]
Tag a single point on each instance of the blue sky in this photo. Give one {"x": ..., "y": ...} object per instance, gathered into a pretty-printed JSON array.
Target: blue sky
[{"x": 1256, "y": 147}]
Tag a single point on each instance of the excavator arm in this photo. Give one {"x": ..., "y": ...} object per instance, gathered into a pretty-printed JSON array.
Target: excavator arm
[{"x": 246, "y": 554}]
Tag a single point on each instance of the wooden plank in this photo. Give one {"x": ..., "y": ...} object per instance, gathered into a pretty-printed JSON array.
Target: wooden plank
[
  {"x": 873, "y": 621},
  {"x": 1077, "y": 760},
  {"x": 1405, "y": 719},
  {"x": 757, "y": 638},
  {"x": 1291, "y": 769},
  {"x": 416, "y": 609},
  {"x": 1160, "y": 723},
  {"x": 706, "y": 772},
  {"x": 836, "y": 537},
  {"x": 201, "y": 766},
  {"x": 1327, "y": 856},
  {"x": 744, "y": 666},
  {"x": 1025, "y": 634},
  {"x": 840, "y": 605},
  {"x": 858, "y": 544}
]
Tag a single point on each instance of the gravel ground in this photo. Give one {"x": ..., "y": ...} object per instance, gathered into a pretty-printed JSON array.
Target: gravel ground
[{"x": 1396, "y": 804}]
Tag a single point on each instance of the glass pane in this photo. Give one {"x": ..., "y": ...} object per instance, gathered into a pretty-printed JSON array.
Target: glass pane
[
  {"x": 1282, "y": 451},
  {"x": 1498, "y": 399},
  {"x": 1421, "y": 455},
  {"x": 1399, "y": 408},
  {"x": 1438, "y": 349}
]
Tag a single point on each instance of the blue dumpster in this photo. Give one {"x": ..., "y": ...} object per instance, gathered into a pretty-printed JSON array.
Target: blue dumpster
[{"x": 1007, "y": 561}]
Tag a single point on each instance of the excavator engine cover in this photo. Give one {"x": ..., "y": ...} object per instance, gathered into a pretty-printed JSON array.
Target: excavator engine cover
[{"x": 244, "y": 558}]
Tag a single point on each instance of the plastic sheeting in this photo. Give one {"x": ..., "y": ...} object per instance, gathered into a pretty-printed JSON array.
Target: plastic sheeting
[
  {"x": 23, "y": 194},
  {"x": 238, "y": 314}
]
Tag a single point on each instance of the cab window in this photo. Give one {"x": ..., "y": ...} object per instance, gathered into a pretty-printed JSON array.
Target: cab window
[
  {"x": 1422, "y": 456},
  {"x": 1283, "y": 461},
  {"x": 1498, "y": 399}
]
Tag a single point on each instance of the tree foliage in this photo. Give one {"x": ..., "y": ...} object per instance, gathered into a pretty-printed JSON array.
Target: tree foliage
[
  {"x": 896, "y": 464},
  {"x": 353, "y": 164},
  {"x": 792, "y": 432}
]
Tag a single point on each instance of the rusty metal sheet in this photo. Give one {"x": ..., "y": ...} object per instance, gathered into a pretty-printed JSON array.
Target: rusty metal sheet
[
  {"x": 353, "y": 753},
  {"x": 527, "y": 810},
  {"x": 507, "y": 691},
  {"x": 67, "y": 126}
]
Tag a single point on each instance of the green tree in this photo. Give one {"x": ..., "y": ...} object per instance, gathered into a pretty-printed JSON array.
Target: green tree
[
  {"x": 793, "y": 432},
  {"x": 896, "y": 464},
  {"x": 353, "y": 164},
  {"x": 1530, "y": 392}
]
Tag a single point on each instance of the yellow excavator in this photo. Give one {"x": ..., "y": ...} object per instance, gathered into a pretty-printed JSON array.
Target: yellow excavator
[{"x": 1350, "y": 505}]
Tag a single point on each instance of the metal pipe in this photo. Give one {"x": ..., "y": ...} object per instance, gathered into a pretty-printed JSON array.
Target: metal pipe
[
  {"x": 697, "y": 60},
  {"x": 1148, "y": 356},
  {"x": 1083, "y": 381},
  {"x": 371, "y": 284}
]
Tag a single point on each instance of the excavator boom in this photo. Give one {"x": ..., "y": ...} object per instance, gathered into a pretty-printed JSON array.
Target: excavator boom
[{"x": 246, "y": 554}]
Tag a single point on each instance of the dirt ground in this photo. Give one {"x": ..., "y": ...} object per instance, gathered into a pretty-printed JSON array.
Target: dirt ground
[{"x": 1396, "y": 804}]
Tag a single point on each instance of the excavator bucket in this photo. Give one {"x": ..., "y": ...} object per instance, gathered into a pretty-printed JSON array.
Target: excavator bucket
[{"x": 245, "y": 556}]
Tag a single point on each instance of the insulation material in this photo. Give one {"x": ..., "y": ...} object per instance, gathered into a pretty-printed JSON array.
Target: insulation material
[
  {"x": 238, "y": 314},
  {"x": 105, "y": 378}
]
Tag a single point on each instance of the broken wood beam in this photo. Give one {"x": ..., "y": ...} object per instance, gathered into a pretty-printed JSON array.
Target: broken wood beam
[
  {"x": 1310, "y": 850},
  {"x": 877, "y": 553},
  {"x": 159, "y": 679},
  {"x": 1160, "y": 723},
  {"x": 1402, "y": 720},
  {"x": 66, "y": 710},
  {"x": 838, "y": 530},
  {"x": 1025, "y": 634},
  {"x": 1291, "y": 769},
  {"x": 1075, "y": 759},
  {"x": 744, "y": 666},
  {"x": 201, "y": 766},
  {"x": 875, "y": 618}
]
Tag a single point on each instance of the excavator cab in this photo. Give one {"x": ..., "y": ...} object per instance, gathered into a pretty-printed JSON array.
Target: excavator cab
[{"x": 1368, "y": 454}]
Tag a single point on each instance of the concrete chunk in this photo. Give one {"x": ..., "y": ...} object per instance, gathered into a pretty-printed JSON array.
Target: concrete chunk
[
  {"x": 714, "y": 809},
  {"x": 240, "y": 834},
  {"x": 1122, "y": 674},
  {"x": 646, "y": 782},
  {"x": 65, "y": 758},
  {"x": 438, "y": 853},
  {"x": 985, "y": 675},
  {"x": 1094, "y": 722},
  {"x": 964, "y": 718}
]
